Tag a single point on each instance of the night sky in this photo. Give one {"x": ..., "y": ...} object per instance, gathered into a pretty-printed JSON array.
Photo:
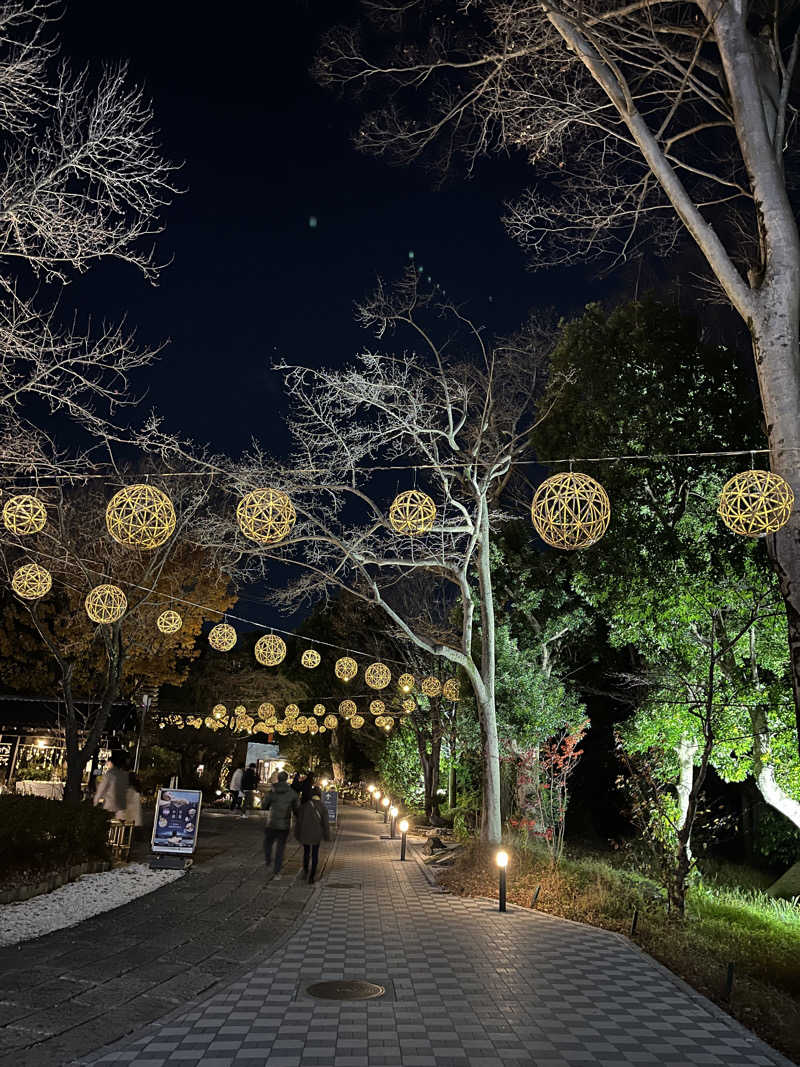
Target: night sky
[{"x": 264, "y": 150}]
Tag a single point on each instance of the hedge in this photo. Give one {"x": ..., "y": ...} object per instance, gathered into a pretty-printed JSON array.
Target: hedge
[{"x": 39, "y": 834}]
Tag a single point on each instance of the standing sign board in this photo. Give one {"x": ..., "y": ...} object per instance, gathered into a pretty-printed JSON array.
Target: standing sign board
[
  {"x": 176, "y": 820},
  {"x": 330, "y": 798}
]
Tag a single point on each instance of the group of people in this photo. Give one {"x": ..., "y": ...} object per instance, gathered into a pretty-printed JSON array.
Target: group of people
[
  {"x": 118, "y": 791},
  {"x": 302, "y": 799}
]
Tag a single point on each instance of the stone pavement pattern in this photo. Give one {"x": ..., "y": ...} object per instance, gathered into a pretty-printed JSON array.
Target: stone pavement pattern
[
  {"x": 465, "y": 986},
  {"x": 66, "y": 994}
]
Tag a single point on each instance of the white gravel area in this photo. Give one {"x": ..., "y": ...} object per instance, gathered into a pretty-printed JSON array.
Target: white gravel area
[{"x": 76, "y": 901}]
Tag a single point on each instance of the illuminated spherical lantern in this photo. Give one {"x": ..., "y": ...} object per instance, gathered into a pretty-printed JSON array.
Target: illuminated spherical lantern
[
  {"x": 222, "y": 637},
  {"x": 570, "y": 511},
  {"x": 409, "y": 705},
  {"x": 310, "y": 658},
  {"x": 24, "y": 515},
  {"x": 282, "y": 728},
  {"x": 140, "y": 516},
  {"x": 313, "y": 727},
  {"x": 346, "y": 669},
  {"x": 347, "y": 709},
  {"x": 260, "y": 728},
  {"x": 266, "y": 711},
  {"x": 270, "y": 650},
  {"x": 319, "y": 710},
  {"x": 301, "y": 728},
  {"x": 377, "y": 676},
  {"x": 210, "y": 723},
  {"x": 451, "y": 690},
  {"x": 377, "y": 707},
  {"x": 291, "y": 711},
  {"x": 431, "y": 686},
  {"x": 266, "y": 516},
  {"x": 219, "y": 711},
  {"x": 106, "y": 604},
  {"x": 322, "y": 728},
  {"x": 412, "y": 513},
  {"x": 755, "y": 503},
  {"x": 169, "y": 622},
  {"x": 30, "y": 581},
  {"x": 239, "y": 710},
  {"x": 331, "y": 722},
  {"x": 357, "y": 722},
  {"x": 406, "y": 682}
]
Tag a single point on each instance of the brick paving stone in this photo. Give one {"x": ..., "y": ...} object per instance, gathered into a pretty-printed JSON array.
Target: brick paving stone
[{"x": 466, "y": 987}]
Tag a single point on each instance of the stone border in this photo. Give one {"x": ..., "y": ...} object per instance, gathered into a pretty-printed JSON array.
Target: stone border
[{"x": 55, "y": 881}]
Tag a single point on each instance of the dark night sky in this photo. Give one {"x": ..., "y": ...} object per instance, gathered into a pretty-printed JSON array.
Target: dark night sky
[{"x": 265, "y": 149}]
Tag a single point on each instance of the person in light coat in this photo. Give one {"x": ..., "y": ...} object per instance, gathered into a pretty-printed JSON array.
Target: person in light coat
[
  {"x": 236, "y": 787},
  {"x": 311, "y": 828},
  {"x": 133, "y": 809},
  {"x": 112, "y": 790}
]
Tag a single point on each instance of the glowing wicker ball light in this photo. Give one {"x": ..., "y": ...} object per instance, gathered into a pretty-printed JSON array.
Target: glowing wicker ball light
[
  {"x": 357, "y": 722},
  {"x": 239, "y": 710},
  {"x": 408, "y": 706},
  {"x": 412, "y": 513},
  {"x": 260, "y": 728},
  {"x": 301, "y": 727},
  {"x": 266, "y": 711},
  {"x": 377, "y": 676},
  {"x": 140, "y": 516},
  {"x": 222, "y": 637},
  {"x": 282, "y": 728},
  {"x": 322, "y": 729},
  {"x": 169, "y": 622},
  {"x": 106, "y": 604},
  {"x": 377, "y": 707},
  {"x": 319, "y": 710},
  {"x": 451, "y": 690},
  {"x": 311, "y": 658},
  {"x": 210, "y": 723},
  {"x": 570, "y": 511},
  {"x": 431, "y": 686},
  {"x": 314, "y": 727},
  {"x": 406, "y": 682},
  {"x": 756, "y": 503},
  {"x": 330, "y": 722},
  {"x": 30, "y": 581},
  {"x": 219, "y": 711},
  {"x": 346, "y": 669},
  {"x": 266, "y": 516},
  {"x": 291, "y": 711},
  {"x": 24, "y": 515},
  {"x": 270, "y": 650},
  {"x": 347, "y": 709}
]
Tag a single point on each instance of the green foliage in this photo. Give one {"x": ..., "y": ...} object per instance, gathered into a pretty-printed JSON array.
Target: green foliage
[
  {"x": 39, "y": 834},
  {"x": 776, "y": 839},
  {"x": 398, "y": 766}
]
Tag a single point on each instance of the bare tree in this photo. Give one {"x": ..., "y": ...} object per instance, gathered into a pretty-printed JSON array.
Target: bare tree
[
  {"x": 643, "y": 120},
  {"x": 82, "y": 179},
  {"x": 455, "y": 424}
]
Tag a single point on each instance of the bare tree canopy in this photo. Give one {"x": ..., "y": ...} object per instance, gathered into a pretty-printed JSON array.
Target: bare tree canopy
[{"x": 643, "y": 120}]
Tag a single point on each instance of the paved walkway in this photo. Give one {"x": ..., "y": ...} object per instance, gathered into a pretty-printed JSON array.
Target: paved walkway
[
  {"x": 68, "y": 993},
  {"x": 466, "y": 987}
]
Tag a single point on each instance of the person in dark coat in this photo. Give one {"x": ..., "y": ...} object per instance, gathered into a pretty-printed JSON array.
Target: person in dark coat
[
  {"x": 279, "y": 803},
  {"x": 249, "y": 783},
  {"x": 305, "y": 788},
  {"x": 311, "y": 827},
  {"x": 297, "y": 785}
]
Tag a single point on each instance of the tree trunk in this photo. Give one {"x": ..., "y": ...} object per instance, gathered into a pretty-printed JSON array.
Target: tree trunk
[
  {"x": 676, "y": 890},
  {"x": 337, "y": 754},
  {"x": 451, "y": 786},
  {"x": 764, "y": 773},
  {"x": 686, "y": 752},
  {"x": 491, "y": 821}
]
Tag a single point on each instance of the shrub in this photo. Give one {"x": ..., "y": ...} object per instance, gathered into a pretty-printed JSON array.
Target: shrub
[{"x": 38, "y": 834}]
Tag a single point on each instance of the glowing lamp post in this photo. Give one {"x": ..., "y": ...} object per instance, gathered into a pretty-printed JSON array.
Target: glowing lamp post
[
  {"x": 385, "y": 802},
  {"x": 377, "y": 796},
  {"x": 325, "y": 783},
  {"x": 393, "y": 814},
  {"x": 501, "y": 859},
  {"x": 371, "y": 791},
  {"x": 403, "y": 831}
]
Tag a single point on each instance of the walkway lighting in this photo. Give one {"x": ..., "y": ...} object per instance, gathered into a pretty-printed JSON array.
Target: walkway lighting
[
  {"x": 385, "y": 802},
  {"x": 403, "y": 831},
  {"x": 501, "y": 859},
  {"x": 393, "y": 814}
]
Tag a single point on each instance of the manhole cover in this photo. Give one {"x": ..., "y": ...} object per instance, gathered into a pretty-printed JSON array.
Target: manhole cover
[{"x": 345, "y": 990}]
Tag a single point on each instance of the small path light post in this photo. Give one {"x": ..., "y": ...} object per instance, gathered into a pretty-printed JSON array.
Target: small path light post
[
  {"x": 393, "y": 814},
  {"x": 404, "y": 832},
  {"x": 377, "y": 795},
  {"x": 371, "y": 791},
  {"x": 386, "y": 802},
  {"x": 501, "y": 859}
]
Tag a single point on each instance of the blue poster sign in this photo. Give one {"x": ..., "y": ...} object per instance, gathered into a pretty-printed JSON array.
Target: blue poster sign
[
  {"x": 330, "y": 798},
  {"x": 176, "y": 820}
]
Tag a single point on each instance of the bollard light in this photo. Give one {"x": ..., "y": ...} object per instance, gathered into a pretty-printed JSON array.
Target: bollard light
[
  {"x": 393, "y": 814},
  {"x": 501, "y": 859},
  {"x": 385, "y": 802},
  {"x": 403, "y": 831},
  {"x": 371, "y": 791}
]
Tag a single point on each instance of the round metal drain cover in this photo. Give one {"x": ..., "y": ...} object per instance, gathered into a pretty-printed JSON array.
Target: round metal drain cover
[{"x": 345, "y": 990}]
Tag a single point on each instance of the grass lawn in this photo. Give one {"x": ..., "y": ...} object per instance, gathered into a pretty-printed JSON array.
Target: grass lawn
[{"x": 724, "y": 924}]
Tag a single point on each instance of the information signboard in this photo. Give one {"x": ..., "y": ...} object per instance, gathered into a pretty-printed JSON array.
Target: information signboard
[
  {"x": 176, "y": 821},
  {"x": 330, "y": 798}
]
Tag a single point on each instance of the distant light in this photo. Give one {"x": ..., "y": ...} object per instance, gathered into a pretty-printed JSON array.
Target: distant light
[
  {"x": 370, "y": 788},
  {"x": 410, "y": 255},
  {"x": 312, "y": 222},
  {"x": 393, "y": 812},
  {"x": 377, "y": 794},
  {"x": 501, "y": 859},
  {"x": 219, "y": 792},
  {"x": 386, "y": 802},
  {"x": 403, "y": 824},
  {"x": 324, "y": 783},
  {"x": 40, "y": 743}
]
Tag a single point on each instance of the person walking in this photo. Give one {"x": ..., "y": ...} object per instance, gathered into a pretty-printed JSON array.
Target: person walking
[
  {"x": 305, "y": 788},
  {"x": 279, "y": 803},
  {"x": 311, "y": 828},
  {"x": 249, "y": 783},
  {"x": 112, "y": 789},
  {"x": 235, "y": 787},
  {"x": 133, "y": 807},
  {"x": 297, "y": 785}
]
